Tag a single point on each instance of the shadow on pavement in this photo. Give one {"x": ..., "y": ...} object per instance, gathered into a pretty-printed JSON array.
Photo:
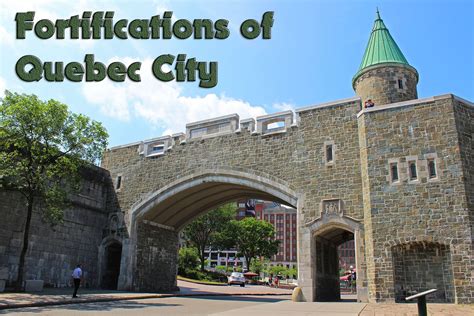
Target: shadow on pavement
[
  {"x": 100, "y": 306},
  {"x": 245, "y": 298}
]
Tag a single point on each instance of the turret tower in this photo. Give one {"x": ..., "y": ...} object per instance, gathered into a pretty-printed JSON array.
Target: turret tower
[{"x": 384, "y": 76}]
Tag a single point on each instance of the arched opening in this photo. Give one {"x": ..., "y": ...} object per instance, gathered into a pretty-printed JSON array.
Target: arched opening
[
  {"x": 181, "y": 201},
  {"x": 156, "y": 221},
  {"x": 329, "y": 269},
  {"x": 420, "y": 266},
  {"x": 111, "y": 265}
]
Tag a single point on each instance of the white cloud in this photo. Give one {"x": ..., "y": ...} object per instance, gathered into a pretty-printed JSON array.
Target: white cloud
[
  {"x": 283, "y": 106},
  {"x": 161, "y": 104}
]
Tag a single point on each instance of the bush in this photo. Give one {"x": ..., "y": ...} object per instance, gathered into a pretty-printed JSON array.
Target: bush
[
  {"x": 203, "y": 275},
  {"x": 188, "y": 260}
]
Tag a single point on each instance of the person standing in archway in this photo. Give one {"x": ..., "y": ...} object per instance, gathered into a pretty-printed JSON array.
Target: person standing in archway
[{"x": 76, "y": 276}]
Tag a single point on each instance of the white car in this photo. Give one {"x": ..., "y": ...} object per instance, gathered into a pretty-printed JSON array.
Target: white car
[{"x": 236, "y": 278}]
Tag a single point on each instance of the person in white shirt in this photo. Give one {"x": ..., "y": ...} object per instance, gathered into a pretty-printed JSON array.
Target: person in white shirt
[{"x": 76, "y": 276}]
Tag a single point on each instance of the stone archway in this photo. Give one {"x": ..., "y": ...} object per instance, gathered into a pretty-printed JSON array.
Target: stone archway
[
  {"x": 149, "y": 260},
  {"x": 326, "y": 233},
  {"x": 110, "y": 257}
]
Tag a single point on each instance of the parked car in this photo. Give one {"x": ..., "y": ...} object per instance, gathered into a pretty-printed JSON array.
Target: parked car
[{"x": 236, "y": 278}]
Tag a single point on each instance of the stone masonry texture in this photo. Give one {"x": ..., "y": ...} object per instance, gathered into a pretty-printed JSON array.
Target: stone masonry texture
[
  {"x": 412, "y": 232},
  {"x": 54, "y": 251},
  {"x": 380, "y": 84},
  {"x": 410, "y": 235},
  {"x": 420, "y": 212},
  {"x": 433, "y": 216}
]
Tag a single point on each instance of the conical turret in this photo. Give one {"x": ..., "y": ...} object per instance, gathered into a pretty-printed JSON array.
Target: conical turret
[{"x": 384, "y": 75}]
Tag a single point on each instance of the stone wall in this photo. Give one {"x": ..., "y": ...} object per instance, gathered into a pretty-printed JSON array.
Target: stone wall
[
  {"x": 295, "y": 157},
  {"x": 464, "y": 116},
  {"x": 418, "y": 267},
  {"x": 382, "y": 214},
  {"x": 157, "y": 258},
  {"x": 54, "y": 251},
  {"x": 420, "y": 210},
  {"x": 380, "y": 84}
]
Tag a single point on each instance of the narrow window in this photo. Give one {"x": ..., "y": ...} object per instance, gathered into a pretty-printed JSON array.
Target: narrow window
[
  {"x": 431, "y": 169},
  {"x": 158, "y": 148},
  {"x": 329, "y": 153},
  {"x": 394, "y": 172},
  {"x": 400, "y": 84},
  {"x": 412, "y": 170},
  {"x": 119, "y": 182}
]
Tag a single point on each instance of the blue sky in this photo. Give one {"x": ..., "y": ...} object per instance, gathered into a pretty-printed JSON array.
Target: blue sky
[{"x": 316, "y": 48}]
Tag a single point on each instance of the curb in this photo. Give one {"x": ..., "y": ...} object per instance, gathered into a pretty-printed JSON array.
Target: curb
[{"x": 128, "y": 298}]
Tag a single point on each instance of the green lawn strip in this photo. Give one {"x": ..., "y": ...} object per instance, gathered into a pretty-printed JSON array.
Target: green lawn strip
[{"x": 201, "y": 281}]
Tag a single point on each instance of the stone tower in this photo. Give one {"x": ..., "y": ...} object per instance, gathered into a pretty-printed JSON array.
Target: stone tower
[{"x": 384, "y": 76}]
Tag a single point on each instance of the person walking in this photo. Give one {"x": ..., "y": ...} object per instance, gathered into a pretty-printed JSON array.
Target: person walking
[{"x": 76, "y": 276}]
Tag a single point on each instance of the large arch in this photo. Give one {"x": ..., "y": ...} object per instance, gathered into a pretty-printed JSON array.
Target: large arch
[{"x": 149, "y": 255}]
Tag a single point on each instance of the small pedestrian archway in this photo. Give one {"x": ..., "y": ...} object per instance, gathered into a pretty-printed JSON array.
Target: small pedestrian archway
[
  {"x": 328, "y": 232},
  {"x": 110, "y": 257},
  {"x": 149, "y": 260},
  {"x": 327, "y": 277}
]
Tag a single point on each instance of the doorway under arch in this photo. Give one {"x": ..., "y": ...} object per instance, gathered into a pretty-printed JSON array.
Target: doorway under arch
[
  {"x": 327, "y": 268},
  {"x": 111, "y": 265}
]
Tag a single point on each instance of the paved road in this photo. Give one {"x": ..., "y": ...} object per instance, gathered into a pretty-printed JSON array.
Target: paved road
[
  {"x": 53, "y": 296},
  {"x": 216, "y": 306}
]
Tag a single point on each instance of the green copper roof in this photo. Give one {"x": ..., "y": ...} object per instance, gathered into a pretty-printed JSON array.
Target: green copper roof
[{"x": 381, "y": 48}]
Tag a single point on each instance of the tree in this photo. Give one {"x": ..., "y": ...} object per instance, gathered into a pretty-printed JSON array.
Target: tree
[
  {"x": 258, "y": 265},
  {"x": 278, "y": 270},
  {"x": 42, "y": 148},
  {"x": 187, "y": 259},
  {"x": 253, "y": 238},
  {"x": 203, "y": 231}
]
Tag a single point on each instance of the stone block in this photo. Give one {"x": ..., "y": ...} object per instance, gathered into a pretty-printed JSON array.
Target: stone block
[{"x": 297, "y": 295}]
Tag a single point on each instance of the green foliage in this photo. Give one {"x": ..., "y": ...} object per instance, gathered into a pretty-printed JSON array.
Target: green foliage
[
  {"x": 42, "y": 148},
  {"x": 253, "y": 238},
  {"x": 278, "y": 270},
  {"x": 41, "y": 145},
  {"x": 188, "y": 259},
  {"x": 258, "y": 265},
  {"x": 203, "y": 231},
  {"x": 223, "y": 269},
  {"x": 292, "y": 273},
  {"x": 283, "y": 271}
]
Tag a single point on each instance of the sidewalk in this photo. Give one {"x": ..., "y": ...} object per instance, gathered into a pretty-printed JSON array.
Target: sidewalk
[
  {"x": 63, "y": 296},
  {"x": 434, "y": 309}
]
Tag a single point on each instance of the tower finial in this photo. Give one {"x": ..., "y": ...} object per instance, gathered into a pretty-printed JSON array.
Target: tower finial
[{"x": 378, "y": 14}]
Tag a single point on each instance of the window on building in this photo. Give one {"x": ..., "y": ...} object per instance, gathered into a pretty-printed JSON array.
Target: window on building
[
  {"x": 329, "y": 153},
  {"x": 158, "y": 148},
  {"x": 412, "y": 170},
  {"x": 394, "y": 172},
  {"x": 432, "y": 169},
  {"x": 119, "y": 182},
  {"x": 400, "y": 84},
  {"x": 275, "y": 126}
]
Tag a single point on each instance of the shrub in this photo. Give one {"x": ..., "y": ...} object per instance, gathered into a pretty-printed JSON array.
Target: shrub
[{"x": 188, "y": 259}]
